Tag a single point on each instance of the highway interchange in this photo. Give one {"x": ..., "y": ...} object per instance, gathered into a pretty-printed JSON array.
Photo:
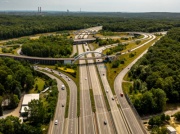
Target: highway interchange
[{"x": 120, "y": 120}]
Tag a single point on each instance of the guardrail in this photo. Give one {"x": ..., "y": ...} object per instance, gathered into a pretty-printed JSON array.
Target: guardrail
[{"x": 136, "y": 113}]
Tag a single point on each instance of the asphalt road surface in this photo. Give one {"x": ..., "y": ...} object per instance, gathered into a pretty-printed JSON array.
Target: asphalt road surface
[
  {"x": 87, "y": 117},
  {"x": 117, "y": 115},
  {"x": 72, "y": 118},
  {"x": 101, "y": 111},
  {"x": 60, "y": 111}
]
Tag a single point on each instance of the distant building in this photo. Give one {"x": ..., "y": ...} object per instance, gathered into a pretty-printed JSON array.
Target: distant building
[
  {"x": 171, "y": 130},
  {"x": 27, "y": 98}
]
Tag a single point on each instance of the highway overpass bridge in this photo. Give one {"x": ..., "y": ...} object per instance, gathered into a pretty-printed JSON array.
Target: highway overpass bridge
[
  {"x": 83, "y": 41},
  {"x": 51, "y": 61}
]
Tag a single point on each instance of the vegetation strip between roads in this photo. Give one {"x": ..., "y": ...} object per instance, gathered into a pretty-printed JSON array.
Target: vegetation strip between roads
[
  {"x": 68, "y": 93},
  {"x": 138, "y": 51},
  {"x": 103, "y": 90}
]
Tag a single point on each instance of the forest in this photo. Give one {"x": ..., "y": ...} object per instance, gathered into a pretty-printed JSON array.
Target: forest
[
  {"x": 156, "y": 76},
  {"x": 22, "y": 25},
  {"x": 48, "y": 46},
  {"x": 17, "y": 78}
]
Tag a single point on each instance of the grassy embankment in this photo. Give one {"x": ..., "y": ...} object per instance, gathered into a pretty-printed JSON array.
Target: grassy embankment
[{"x": 113, "y": 72}]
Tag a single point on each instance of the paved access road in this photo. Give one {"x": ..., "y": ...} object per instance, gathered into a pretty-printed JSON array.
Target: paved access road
[
  {"x": 60, "y": 111},
  {"x": 72, "y": 122},
  {"x": 72, "y": 118},
  {"x": 132, "y": 119},
  {"x": 87, "y": 125}
]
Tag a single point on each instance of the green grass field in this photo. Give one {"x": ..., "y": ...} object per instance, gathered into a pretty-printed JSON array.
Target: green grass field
[{"x": 40, "y": 85}]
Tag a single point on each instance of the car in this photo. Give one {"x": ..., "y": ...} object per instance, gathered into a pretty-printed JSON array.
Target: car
[
  {"x": 62, "y": 105},
  {"x": 61, "y": 75},
  {"x": 87, "y": 49},
  {"x": 62, "y": 87},
  {"x": 103, "y": 74},
  {"x": 121, "y": 94},
  {"x": 106, "y": 91},
  {"x": 66, "y": 76},
  {"x": 69, "y": 79},
  {"x": 105, "y": 123},
  {"x": 86, "y": 78},
  {"x": 59, "y": 72},
  {"x": 112, "y": 98},
  {"x": 56, "y": 122}
]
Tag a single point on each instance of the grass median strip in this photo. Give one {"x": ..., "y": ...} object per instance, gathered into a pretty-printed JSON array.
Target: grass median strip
[
  {"x": 92, "y": 100},
  {"x": 78, "y": 86},
  {"x": 67, "y": 90},
  {"x": 104, "y": 93}
]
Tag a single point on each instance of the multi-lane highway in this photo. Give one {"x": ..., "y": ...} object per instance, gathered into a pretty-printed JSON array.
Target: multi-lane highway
[
  {"x": 129, "y": 116},
  {"x": 101, "y": 111},
  {"x": 120, "y": 120},
  {"x": 87, "y": 118},
  {"x": 117, "y": 115}
]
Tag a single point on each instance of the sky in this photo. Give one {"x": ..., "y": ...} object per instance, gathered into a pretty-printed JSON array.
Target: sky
[{"x": 93, "y": 5}]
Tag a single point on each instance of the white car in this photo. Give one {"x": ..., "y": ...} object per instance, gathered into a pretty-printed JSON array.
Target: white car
[
  {"x": 69, "y": 79},
  {"x": 106, "y": 91},
  {"x": 62, "y": 87},
  {"x": 56, "y": 122},
  {"x": 86, "y": 78}
]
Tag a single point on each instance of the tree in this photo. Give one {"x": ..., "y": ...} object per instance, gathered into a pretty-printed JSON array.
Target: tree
[
  {"x": 17, "y": 92},
  {"x": 36, "y": 111},
  {"x": 147, "y": 102},
  {"x": 1, "y": 89},
  {"x": 156, "y": 120},
  {"x": 177, "y": 116},
  {"x": 160, "y": 99},
  {"x": 1, "y": 109},
  {"x": 167, "y": 117},
  {"x": 13, "y": 101},
  {"x": 29, "y": 81}
]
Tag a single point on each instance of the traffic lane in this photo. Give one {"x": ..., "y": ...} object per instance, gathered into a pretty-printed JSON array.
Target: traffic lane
[
  {"x": 73, "y": 95},
  {"x": 87, "y": 124},
  {"x": 87, "y": 118},
  {"x": 73, "y": 101},
  {"x": 59, "y": 109},
  {"x": 119, "y": 122},
  {"x": 118, "y": 89},
  {"x": 99, "y": 100}
]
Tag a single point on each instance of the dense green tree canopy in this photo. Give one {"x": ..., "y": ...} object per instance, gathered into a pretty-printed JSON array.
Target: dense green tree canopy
[
  {"x": 15, "y": 77},
  {"x": 48, "y": 46},
  {"x": 20, "y": 25},
  {"x": 160, "y": 69},
  {"x": 12, "y": 125}
]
